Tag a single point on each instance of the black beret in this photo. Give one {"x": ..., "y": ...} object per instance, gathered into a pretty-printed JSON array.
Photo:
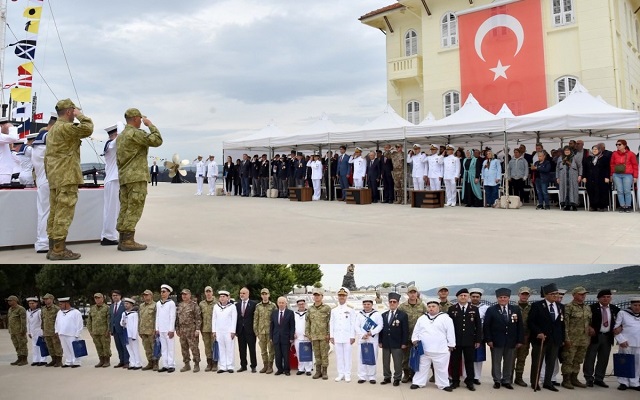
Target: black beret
[
  {"x": 604, "y": 292},
  {"x": 394, "y": 296},
  {"x": 550, "y": 288},
  {"x": 461, "y": 291},
  {"x": 503, "y": 292}
]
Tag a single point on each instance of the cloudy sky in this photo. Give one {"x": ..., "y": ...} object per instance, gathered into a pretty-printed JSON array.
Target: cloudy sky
[
  {"x": 208, "y": 71},
  {"x": 430, "y": 276}
]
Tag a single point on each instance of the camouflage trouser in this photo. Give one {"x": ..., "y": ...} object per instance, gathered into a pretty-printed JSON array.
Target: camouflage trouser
[
  {"x": 147, "y": 344},
  {"x": 20, "y": 343},
  {"x": 53, "y": 345},
  {"x": 398, "y": 184},
  {"x": 405, "y": 359},
  {"x": 62, "y": 206},
  {"x": 573, "y": 357},
  {"x": 132, "y": 198},
  {"x": 208, "y": 344},
  {"x": 521, "y": 357},
  {"x": 189, "y": 341},
  {"x": 321, "y": 352},
  {"x": 103, "y": 345},
  {"x": 266, "y": 349}
]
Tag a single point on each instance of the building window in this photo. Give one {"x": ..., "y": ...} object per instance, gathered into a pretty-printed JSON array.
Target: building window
[
  {"x": 410, "y": 43},
  {"x": 451, "y": 101},
  {"x": 562, "y": 12},
  {"x": 564, "y": 86},
  {"x": 449, "y": 27},
  {"x": 413, "y": 112}
]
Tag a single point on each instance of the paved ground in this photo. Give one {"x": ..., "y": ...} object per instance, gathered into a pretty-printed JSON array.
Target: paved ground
[
  {"x": 104, "y": 384},
  {"x": 182, "y": 228}
]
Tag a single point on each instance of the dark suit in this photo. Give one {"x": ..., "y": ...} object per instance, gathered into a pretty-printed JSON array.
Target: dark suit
[
  {"x": 299, "y": 171},
  {"x": 228, "y": 171},
  {"x": 387, "y": 180},
  {"x": 468, "y": 328},
  {"x": 393, "y": 336},
  {"x": 373, "y": 178},
  {"x": 154, "y": 174},
  {"x": 281, "y": 333},
  {"x": 600, "y": 346},
  {"x": 344, "y": 168},
  {"x": 117, "y": 331},
  {"x": 539, "y": 321},
  {"x": 504, "y": 332},
  {"x": 246, "y": 335},
  {"x": 245, "y": 177}
]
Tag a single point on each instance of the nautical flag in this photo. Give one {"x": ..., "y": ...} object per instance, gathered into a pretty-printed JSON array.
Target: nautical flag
[
  {"x": 22, "y": 111},
  {"x": 38, "y": 116},
  {"x": 33, "y": 12},
  {"x": 502, "y": 57},
  {"x": 25, "y": 81},
  {"x": 25, "y": 49},
  {"x": 25, "y": 69},
  {"x": 32, "y": 26},
  {"x": 21, "y": 95},
  {"x": 24, "y": 129}
]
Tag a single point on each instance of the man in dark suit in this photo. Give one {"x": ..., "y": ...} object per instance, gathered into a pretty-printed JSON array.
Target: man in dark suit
[
  {"x": 547, "y": 333},
  {"x": 387, "y": 177},
  {"x": 255, "y": 175},
  {"x": 154, "y": 174},
  {"x": 245, "y": 175},
  {"x": 468, "y": 327},
  {"x": 504, "y": 333},
  {"x": 244, "y": 330},
  {"x": 603, "y": 319},
  {"x": 281, "y": 332},
  {"x": 344, "y": 168},
  {"x": 373, "y": 176},
  {"x": 299, "y": 170},
  {"x": 117, "y": 331},
  {"x": 393, "y": 339}
]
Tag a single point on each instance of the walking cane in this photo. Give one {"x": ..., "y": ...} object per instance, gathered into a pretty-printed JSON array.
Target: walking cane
[{"x": 537, "y": 381}]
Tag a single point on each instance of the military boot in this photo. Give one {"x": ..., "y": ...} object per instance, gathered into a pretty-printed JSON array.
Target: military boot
[
  {"x": 566, "y": 381},
  {"x": 17, "y": 360},
  {"x": 100, "y": 364},
  {"x": 519, "y": 381},
  {"x": 405, "y": 376},
  {"x": 149, "y": 366},
  {"x": 53, "y": 361},
  {"x": 58, "y": 361},
  {"x": 214, "y": 366},
  {"x": 325, "y": 376},
  {"x": 155, "y": 365},
  {"x": 264, "y": 367},
  {"x": 318, "y": 373},
  {"x": 209, "y": 365},
  {"x": 50, "y": 249},
  {"x": 270, "y": 368},
  {"x": 575, "y": 382},
  {"x": 186, "y": 367},
  {"x": 107, "y": 362},
  {"x": 22, "y": 360},
  {"x": 60, "y": 251},
  {"x": 196, "y": 367},
  {"x": 127, "y": 243}
]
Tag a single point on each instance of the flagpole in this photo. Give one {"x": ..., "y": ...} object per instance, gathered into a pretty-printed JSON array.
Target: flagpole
[{"x": 3, "y": 31}]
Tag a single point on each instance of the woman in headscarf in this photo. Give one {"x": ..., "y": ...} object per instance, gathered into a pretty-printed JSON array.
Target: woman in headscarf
[
  {"x": 596, "y": 176},
  {"x": 471, "y": 190},
  {"x": 624, "y": 170},
  {"x": 491, "y": 177},
  {"x": 568, "y": 176}
]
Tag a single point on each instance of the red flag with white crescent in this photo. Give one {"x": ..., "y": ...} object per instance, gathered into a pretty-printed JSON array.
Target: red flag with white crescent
[{"x": 502, "y": 57}]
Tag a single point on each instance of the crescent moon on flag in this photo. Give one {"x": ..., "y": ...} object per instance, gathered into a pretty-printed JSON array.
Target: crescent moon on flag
[{"x": 497, "y": 21}]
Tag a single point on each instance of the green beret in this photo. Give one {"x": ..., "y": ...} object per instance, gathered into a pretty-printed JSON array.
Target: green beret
[
  {"x": 65, "y": 104},
  {"x": 132, "y": 112}
]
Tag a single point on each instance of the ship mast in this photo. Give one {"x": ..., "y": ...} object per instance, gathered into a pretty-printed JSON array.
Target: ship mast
[{"x": 3, "y": 31}]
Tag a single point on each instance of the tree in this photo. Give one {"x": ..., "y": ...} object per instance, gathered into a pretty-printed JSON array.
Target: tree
[
  {"x": 317, "y": 284},
  {"x": 306, "y": 274},
  {"x": 278, "y": 278},
  {"x": 386, "y": 285}
]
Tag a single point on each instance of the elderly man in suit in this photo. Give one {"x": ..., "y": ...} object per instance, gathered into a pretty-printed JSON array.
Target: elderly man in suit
[
  {"x": 547, "y": 333},
  {"x": 468, "y": 328},
  {"x": 393, "y": 339},
  {"x": 343, "y": 170},
  {"x": 244, "y": 330},
  {"x": 117, "y": 331},
  {"x": 603, "y": 320},
  {"x": 504, "y": 333},
  {"x": 281, "y": 333},
  {"x": 373, "y": 175}
]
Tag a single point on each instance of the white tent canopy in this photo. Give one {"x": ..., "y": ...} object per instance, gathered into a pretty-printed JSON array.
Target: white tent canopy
[
  {"x": 386, "y": 127},
  {"x": 314, "y": 134},
  {"x": 260, "y": 139}
]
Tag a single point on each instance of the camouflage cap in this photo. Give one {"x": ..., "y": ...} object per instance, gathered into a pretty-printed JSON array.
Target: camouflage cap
[
  {"x": 317, "y": 291},
  {"x": 579, "y": 290},
  {"x": 132, "y": 112},
  {"x": 208, "y": 289},
  {"x": 185, "y": 291},
  {"x": 48, "y": 296},
  {"x": 12, "y": 298},
  {"x": 98, "y": 295},
  {"x": 412, "y": 288},
  {"x": 264, "y": 291},
  {"x": 524, "y": 289},
  {"x": 65, "y": 104},
  {"x": 147, "y": 292}
]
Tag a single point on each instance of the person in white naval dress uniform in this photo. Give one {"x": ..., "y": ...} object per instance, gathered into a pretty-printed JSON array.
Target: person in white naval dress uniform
[
  {"x": 37, "y": 159},
  {"x": 342, "y": 329},
  {"x": 166, "y": 328},
  {"x": 212, "y": 175},
  {"x": 359, "y": 168},
  {"x": 34, "y": 330},
  {"x": 368, "y": 327},
  {"x": 627, "y": 334},
  {"x": 419, "y": 167},
  {"x": 435, "y": 168},
  {"x": 300, "y": 318},
  {"x": 24, "y": 157},
  {"x": 200, "y": 171},
  {"x": 223, "y": 322},
  {"x": 451, "y": 175},
  {"x": 8, "y": 136},
  {"x": 111, "y": 188},
  {"x": 316, "y": 175},
  {"x": 68, "y": 327},
  {"x": 130, "y": 322}
]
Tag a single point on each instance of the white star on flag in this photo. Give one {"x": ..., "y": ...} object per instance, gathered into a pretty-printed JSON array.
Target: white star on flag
[{"x": 500, "y": 70}]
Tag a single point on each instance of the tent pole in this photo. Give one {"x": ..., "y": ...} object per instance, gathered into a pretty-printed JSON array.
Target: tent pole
[
  {"x": 404, "y": 167},
  {"x": 506, "y": 166},
  {"x": 329, "y": 169}
]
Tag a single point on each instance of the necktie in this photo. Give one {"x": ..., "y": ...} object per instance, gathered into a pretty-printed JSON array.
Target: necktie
[
  {"x": 504, "y": 312},
  {"x": 464, "y": 309},
  {"x": 605, "y": 317},
  {"x": 552, "y": 312},
  {"x": 280, "y": 320},
  {"x": 244, "y": 307},
  {"x": 391, "y": 315}
]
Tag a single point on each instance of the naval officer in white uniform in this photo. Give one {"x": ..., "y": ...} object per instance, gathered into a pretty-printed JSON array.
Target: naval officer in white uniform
[{"x": 342, "y": 329}]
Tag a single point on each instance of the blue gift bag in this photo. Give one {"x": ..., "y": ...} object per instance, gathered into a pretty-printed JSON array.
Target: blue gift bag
[
  {"x": 480, "y": 353},
  {"x": 306, "y": 352},
  {"x": 367, "y": 354},
  {"x": 40, "y": 342},
  {"x": 79, "y": 348},
  {"x": 157, "y": 348},
  {"x": 624, "y": 365},
  {"x": 216, "y": 352},
  {"x": 414, "y": 357}
]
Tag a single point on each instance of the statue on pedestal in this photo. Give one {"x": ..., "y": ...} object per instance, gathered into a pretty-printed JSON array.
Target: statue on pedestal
[{"x": 348, "y": 280}]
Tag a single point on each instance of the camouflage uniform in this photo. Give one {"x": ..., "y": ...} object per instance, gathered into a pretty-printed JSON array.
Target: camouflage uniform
[
  {"x": 317, "y": 329},
  {"x": 17, "y": 323},
  {"x": 444, "y": 306},
  {"x": 147, "y": 329},
  {"x": 206, "y": 308},
  {"x": 523, "y": 351},
  {"x": 414, "y": 311},
  {"x": 188, "y": 321},
  {"x": 132, "y": 148},
  {"x": 577, "y": 322},
  {"x": 397, "y": 158},
  {"x": 98, "y": 326},
  {"x": 261, "y": 324},
  {"x": 62, "y": 165},
  {"x": 49, "y": 314}
]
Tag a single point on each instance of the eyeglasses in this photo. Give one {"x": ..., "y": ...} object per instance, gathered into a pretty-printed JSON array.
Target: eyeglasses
[{"x": 393, "y": 301}]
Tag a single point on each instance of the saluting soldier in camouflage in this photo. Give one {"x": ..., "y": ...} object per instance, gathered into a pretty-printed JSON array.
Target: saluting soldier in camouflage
[
  {"x": 98, "y": 326},
  {"x": 523, "y": 351},
  {"x": 577, "y": 320},
  {"x": 317, "y": 329},
  {"x": 49, "y": 313},
  {"x": 188, "y": 326},
  {"x": 261, "y": 324},
  {"x": 62, "y": 165},
  {"x": 132, "y": 149},
  {"x": 147, "y": 328},
  {"x": 17, "y": 321},
  {"x": 414, "y": 308},
  {"x": 397, "y": 158},
  {"x": 206, "y": 308}
]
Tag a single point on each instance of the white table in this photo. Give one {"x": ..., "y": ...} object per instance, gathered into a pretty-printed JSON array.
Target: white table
[{"x": 18, "y": 217}]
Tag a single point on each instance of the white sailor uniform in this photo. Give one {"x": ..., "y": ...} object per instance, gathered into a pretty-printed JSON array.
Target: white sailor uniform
[
  {"x": 200, "y": 166},
  {"x": 437, "y": 335},
  {"x": 26, "y": 167},
  {"x": 224, "y": 320},
  {"x": 165, "y": 323},
  {"x": 212, "y": 176},
  {"x": 68, "y": 327},
  {"x": 368, "y": 372},
  {"x": 301, "y": 324},
  {"x": 418, "y": 170},
  {"x": 37, "y": 159},
  {"x": 6, "y": 158},
  {"x": 34, "y": 330},
  {"x": 129, "y": 321},
  {"x": 630, "y": 334},
  {"x": 342, "y": 328},
  {"x": 111, "y": 192}
]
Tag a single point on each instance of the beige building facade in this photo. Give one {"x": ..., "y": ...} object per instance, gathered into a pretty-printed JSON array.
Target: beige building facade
[{"x": 596, "y": 42}]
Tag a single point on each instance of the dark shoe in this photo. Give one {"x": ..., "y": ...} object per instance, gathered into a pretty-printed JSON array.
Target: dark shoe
[
  {"x": 539, "y": 207},
  {"x": 242, "y": 369},
  {"x": 220, "y": 371},
  {"x": 34, "y": 364},
  {"x": 385, "y": 381},
  {"x": 170, "y": 370},
  {"x": 555, "y": 383},
  {"x": 550, "y": 387},
  {"x": 599, "y": 383},
  {"x": 42, "y": 251},
  {"x": 396, "y": 383},
  {"x": 547, "y": 208},
  {"x": 589, "y": 383},
  {"x": 476, "y": 382},
  {"x": 414, "y": 387},
  {"x": 627, "y": 209},
  {"x": 308, "y": 373},
  {"x": 299, "y": 373},
  {"x": 471, "y": 387},
  {"x": 67, "y": 366},
  {"x": 278, "y": 373},
  {"x": 507, "y": 385},
  {"x": 75, "y": 366},
  {"x": 287, "y": 373},
  {"x": 119, "y": 365},
  {"x": 361, "y": 381},
  {"x": 253, "y": 370},
  {"x": 621, "y": 210},
  {"x": 230, "y": 371},
  {"x": 447, "y": 389},
  {"x": 372, "y": 381},
  {"x": 622, "y": 387},
  {"x": 496, "y": 385},
  {"x": 108, "y": 242},
  {"x": 163, "y": 369},
  {"x": 455, "y": 385}
]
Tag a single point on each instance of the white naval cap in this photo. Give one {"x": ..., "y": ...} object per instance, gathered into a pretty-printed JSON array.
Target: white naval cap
[
  {"x": 343, "y": 290},
  {"x": 129, "y": 300},
  {"x": 64, "y": 299},
  {"x": 165, "y": 286},
  {"x": 368, "y": 299},
  {"x": 634, "y": 299},
  {"x": 31, "y": 136},
  {"x": 416, "y": 146},
  {"x": 32, "y": 299},
  {"x": 476, "y": 290},
  {"x": 223, "y": 292},
  {"x": 430, "y": 300},
  {"x": 111, "y": 129},
  {"x": 433, "y": 146}
]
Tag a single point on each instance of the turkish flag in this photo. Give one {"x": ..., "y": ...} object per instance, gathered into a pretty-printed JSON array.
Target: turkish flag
[{"x": 502, "y": 57}]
